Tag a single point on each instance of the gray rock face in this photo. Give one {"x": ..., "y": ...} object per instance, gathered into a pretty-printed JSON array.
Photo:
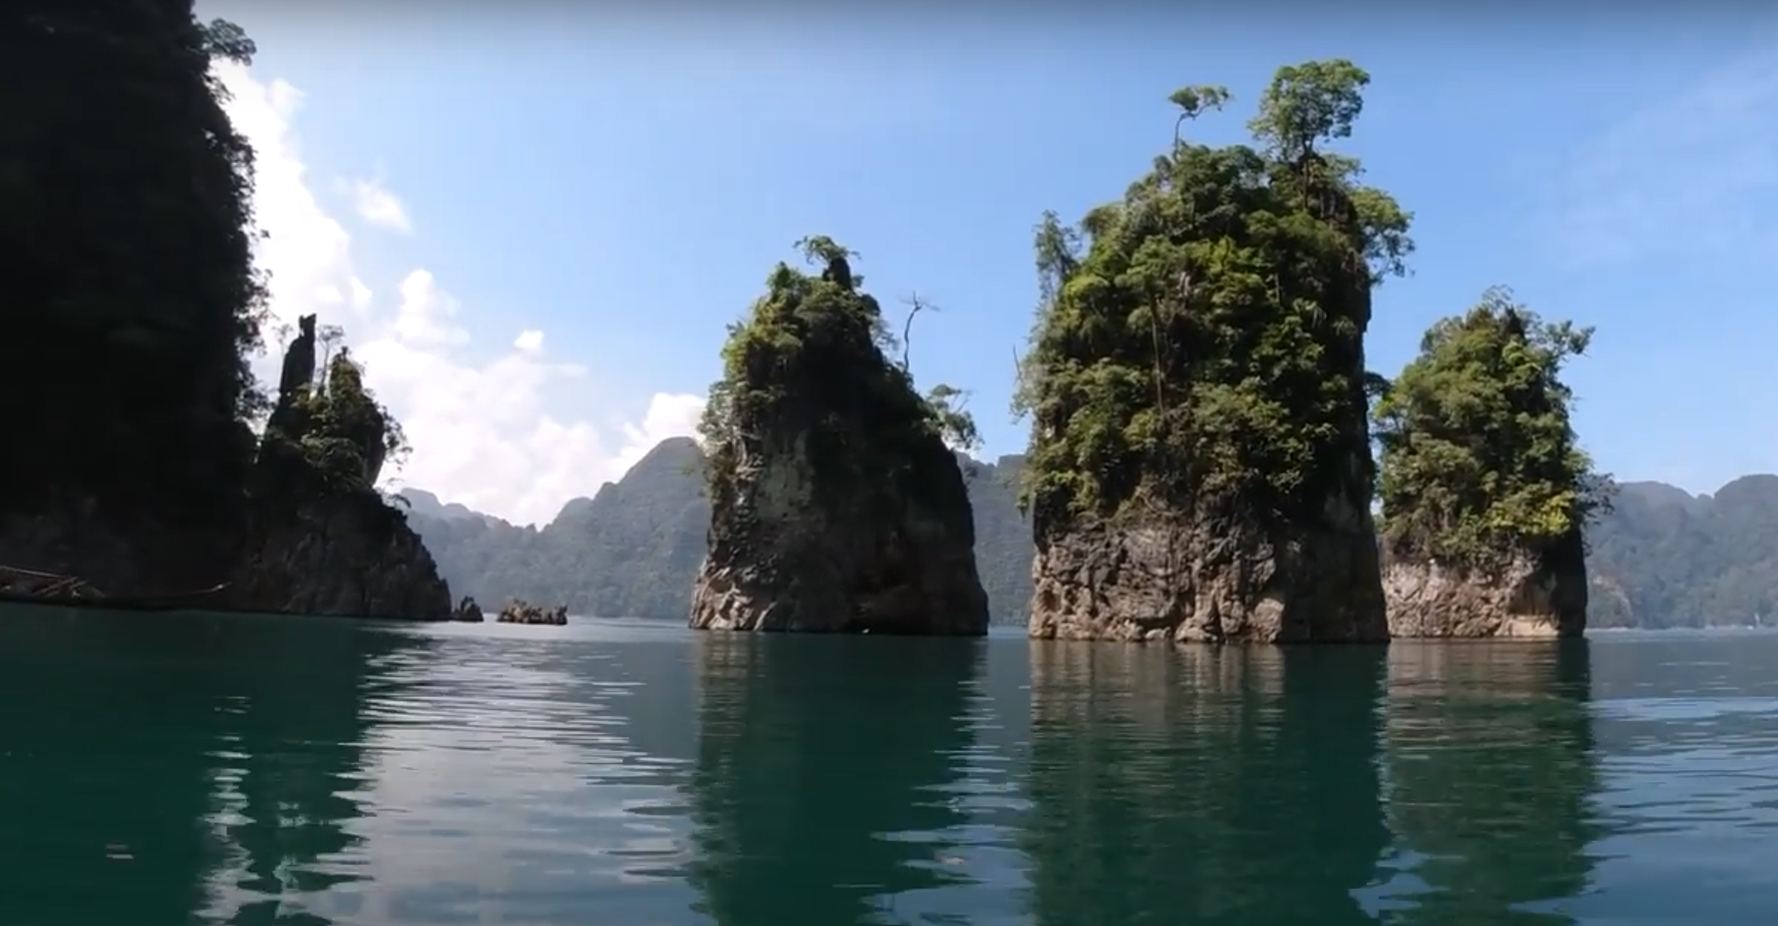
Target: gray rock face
[
  {"x": 121, "y": 553},
  {"x": 789, "y": 553},
  {"x": 1528, "y": 594},
  {"x": 1210, "y": 579},
  {"x": 347, "y": 555}
]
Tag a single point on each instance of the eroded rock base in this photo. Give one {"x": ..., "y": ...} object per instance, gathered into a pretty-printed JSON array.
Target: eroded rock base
[
  {"x": 1523, "y": 599},
  {"x": 1205, "y": 584}
]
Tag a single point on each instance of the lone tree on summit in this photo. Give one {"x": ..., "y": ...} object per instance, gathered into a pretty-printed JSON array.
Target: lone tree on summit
[{"x": 1196, "y": 385}]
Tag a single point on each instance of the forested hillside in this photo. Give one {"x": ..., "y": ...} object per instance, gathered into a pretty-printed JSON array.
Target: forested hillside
[{"x": 1662, "y": 558}]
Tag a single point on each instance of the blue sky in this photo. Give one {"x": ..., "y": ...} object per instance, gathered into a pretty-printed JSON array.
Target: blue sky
[{"x": 622, "y": 181}]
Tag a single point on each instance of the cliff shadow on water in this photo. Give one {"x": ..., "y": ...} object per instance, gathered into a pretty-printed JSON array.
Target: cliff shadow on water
[
  {"x": 1491, "y": 775},
  {"x": 1203, "y": 785},
  {"x": 818, "y": 796},
  {"x": 189, "y": 768}
]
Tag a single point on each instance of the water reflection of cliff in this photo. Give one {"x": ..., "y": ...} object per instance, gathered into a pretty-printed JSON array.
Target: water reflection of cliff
[
  {"x": 172, "y": 769},
  {"x": 1203, "y": 786},
  {"x": 816, "y": 794},
  {"x": 1490, "y": 764}
]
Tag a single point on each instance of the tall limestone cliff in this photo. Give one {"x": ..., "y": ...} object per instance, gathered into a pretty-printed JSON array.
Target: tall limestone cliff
[
  {"x": 130, "y": 299},
  {"x": 1485, "y": 491},
  {"x": 320, "y": 539},
  {"x": 835, "y": 504},
  {"x": 1200, "y": 465}
]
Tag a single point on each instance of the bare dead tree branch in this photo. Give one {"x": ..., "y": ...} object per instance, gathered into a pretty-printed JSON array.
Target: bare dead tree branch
[{"x": 915, "y": 305}]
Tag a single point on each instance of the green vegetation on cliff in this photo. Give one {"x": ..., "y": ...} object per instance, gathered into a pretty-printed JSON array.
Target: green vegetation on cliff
[
  {"x": 1478, "y": 457},
  {"x": 327, "y": 437},
  {"x": 1203, "y": 338},
  {"x": 812, "y": 357},
  {"x": 132, "y": 302},
  {"x": 343, "y": 433}
]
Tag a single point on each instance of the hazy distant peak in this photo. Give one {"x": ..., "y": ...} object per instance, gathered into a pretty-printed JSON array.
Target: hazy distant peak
[
  {"x": 577, "y": 508},
  {"x": 680, "y": 450}
]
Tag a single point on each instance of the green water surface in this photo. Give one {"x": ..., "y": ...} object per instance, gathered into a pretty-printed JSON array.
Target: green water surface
[{"x": 190, "y": 769}]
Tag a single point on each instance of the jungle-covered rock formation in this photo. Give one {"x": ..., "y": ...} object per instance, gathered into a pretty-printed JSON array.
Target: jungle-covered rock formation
[
  {"x": 131, "y": 302},
  {"x": 320, "y": 538},
  {"x": 835, "y": 504},
  {"x": 519, "y": 611},
  {"x": 1486, "y": 493},
  {"x": 1200, "y": 464}
]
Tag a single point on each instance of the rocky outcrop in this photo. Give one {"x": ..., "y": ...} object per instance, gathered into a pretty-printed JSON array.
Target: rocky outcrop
[
  {"x": 342, "y": 555},
  {"x": 884, "y": 558},
  {"x": 524, "y": 612},
  {"x": 468, "y": 612},
  {"x": 1215, "y": 579},
  {"x": 835, "y": 505},
  {"x": 1522, "y": 594},
  {"x": 320, "y": 540}
]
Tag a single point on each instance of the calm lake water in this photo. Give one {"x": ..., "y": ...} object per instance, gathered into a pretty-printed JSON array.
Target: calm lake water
[{"x": 256, "y": 771}]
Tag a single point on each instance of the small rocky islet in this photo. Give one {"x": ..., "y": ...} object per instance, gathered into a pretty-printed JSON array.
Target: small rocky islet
[
  {"x": 835, "y": 504},
  {"x": 1206, "y": 440}
]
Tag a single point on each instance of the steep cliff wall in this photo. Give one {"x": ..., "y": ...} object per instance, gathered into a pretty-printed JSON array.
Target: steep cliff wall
[
  {"x": 130, "y": 298},
  {"x": 1524, "y": 595},
  {"x": 835, "y": 505},
  {"x": 1200, "y": 466}
]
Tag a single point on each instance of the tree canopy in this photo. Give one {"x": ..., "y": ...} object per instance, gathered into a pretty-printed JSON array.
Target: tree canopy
[
  {"x": 1202, "y": 338},
  {"x": 812, "y": 356},
  {"x": 1478, "y": 455}
]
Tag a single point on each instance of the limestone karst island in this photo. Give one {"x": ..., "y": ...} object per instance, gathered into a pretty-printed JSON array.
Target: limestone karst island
[{"x": 1210, "y": 458}]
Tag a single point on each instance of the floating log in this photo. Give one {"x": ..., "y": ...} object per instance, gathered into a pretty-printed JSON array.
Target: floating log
[{"x": 29, "y": 586}]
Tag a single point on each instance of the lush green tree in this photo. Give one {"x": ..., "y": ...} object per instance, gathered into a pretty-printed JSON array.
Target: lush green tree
[
  {"x": 337, "y": 429},
  {"x": 1479, "y": 459},
  {"x": 1201, "y": 341},
  {"x": 813, "y": 356},
  {"x": 132, "y": 303}
]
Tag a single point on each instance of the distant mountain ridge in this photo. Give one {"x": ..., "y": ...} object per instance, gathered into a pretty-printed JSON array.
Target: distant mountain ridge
[{"x": 1663, "y": 558}]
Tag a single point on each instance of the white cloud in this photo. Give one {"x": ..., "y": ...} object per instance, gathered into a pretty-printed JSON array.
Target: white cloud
[
  {"x": 379, "y": 206},
  {"x": 1684, "y": 176},
  {"x": 483, "y": 432}
]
